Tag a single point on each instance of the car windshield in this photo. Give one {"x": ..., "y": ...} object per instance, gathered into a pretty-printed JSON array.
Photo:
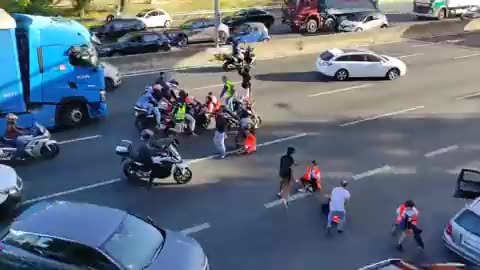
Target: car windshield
[
  {"x": 240, "y": 13},
  {"x": 125, "y": 38},
  {"x": 326, "y": 56},
  {"x": 189, "y": 23},
  {"x": 135, "y": 243},
  {"x": 469, "y": 221},
  {"x": 143, "y": 13},
  {"x": 358, "y": 17}
]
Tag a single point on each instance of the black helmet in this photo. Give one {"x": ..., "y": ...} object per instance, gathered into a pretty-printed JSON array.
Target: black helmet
[
  {"x": 344, "y": 183},
  {"x": 290, "y": 150},
  {"x": 409, "y": 203},
  {"x": 146, "y": 134}
]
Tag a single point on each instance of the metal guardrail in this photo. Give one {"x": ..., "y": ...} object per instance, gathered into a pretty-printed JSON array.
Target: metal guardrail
[{"x": 206, "y": 12}]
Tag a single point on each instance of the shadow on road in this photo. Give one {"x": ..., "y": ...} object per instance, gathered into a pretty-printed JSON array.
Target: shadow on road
[{"x": 309, "y": 76}]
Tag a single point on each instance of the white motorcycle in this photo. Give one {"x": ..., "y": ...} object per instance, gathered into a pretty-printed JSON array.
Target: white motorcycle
[{"x": 38, "y": 145}]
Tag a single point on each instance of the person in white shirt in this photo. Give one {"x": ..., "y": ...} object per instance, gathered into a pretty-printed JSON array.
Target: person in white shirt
[{"x": 338, "y": 200}]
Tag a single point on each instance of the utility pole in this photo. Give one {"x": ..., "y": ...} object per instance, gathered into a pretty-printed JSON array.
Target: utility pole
[{"x": 217, "y": 21}]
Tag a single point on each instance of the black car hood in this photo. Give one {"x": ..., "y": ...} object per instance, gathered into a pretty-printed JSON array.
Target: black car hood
[{"x": 97, "y": 29}]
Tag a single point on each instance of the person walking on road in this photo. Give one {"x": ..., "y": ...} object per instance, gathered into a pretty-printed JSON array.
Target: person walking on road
[
  {"x": 406, "y": 224},
  {"x": 220, "y": 133},
  {"x": 286, "y": 174},
  {"x": 228, "y": 92},
  {"x": 244, "y": 72},
  {"x": 338, "y": 201}
]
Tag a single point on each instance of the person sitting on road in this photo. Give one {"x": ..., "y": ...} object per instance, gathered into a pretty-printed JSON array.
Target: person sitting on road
[
  {"x": 250, "y": 145},
  {"x": 149, "y": 102},
  {"x": 15, "y": 135},
  {"x": 338, "y": 200},
  {"x": 311, "y": 178}
]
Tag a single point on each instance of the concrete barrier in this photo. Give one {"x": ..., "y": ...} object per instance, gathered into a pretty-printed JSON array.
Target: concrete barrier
[{"x": 296, "y": 46}]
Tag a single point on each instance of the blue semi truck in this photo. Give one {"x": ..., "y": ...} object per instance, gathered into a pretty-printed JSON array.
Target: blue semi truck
[{"x": 49, "y": 72}]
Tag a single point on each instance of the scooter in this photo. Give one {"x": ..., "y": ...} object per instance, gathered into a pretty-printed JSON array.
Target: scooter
[
  {"x": 38, "y": 146},
  {"x": 162, "y": 166},
  {"x": 249, "y": 59},
  {"x": 146, "y": 120}
]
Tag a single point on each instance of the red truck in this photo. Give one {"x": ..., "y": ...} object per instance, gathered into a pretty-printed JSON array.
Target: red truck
[{"x": 312, "y": 15}]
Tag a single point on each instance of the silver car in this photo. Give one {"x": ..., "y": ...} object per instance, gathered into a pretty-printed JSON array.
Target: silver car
[
  {"x": 462, "y": 234},
  {"x": 113, "y": 77},
  {"x": 359, "y": 22},
  {"x": 77, "y": 236}
]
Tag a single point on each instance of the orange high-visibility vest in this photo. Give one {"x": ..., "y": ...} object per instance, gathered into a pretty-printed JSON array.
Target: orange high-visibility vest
[
  {"x": 401, "y": 212},
  {"x": 308, "y": 173},
  {"x": 250, "y": 143}
]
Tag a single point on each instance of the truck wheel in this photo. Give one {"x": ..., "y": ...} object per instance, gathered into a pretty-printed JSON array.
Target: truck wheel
[
  {"x": 74, "y": 114},
  {"x": 312, "y": 26},
  {"x": 331, "y": 25},
  {"x": 442, "y": 14}
]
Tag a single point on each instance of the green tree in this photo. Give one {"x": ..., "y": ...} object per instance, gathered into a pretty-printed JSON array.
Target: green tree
[
  {"x": 37, "y": 7},
  {"x": 81, "y": 6}
]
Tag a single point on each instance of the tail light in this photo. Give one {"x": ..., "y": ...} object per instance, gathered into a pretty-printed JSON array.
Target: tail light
[{"x": 449, "y": 229}]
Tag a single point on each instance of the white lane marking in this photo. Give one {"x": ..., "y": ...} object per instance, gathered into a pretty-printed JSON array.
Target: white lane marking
[
  {"x": 467, "y": 56},
  {"x": 209, "y": 86},
  {"x": 384, "y": 169},
  {"x": 409, "y": 55},
  {"x": 426, "y": 44},
  {"x": 258, "y": 145},
  {"x": 291, "y": 198},
  {"x": 469, "y": 95},
  {"x": 196, "y": 228},
  {"x": 80, "y": 139},
  {"x": 70, "y": 191},
  {"x": 403, "y": 170},
  {"x": 441, "y": 151},
  {"x": 340, "y": 90},
  {"x": 381, "y": 116}
]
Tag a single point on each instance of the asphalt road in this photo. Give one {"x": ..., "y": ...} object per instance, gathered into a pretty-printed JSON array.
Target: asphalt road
[{"x": 382, "y": 134}]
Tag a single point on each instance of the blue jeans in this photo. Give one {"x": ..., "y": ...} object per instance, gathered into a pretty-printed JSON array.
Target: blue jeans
[
  {"x": 219, "y": 141},
  {"x": 340, "y": 214}
]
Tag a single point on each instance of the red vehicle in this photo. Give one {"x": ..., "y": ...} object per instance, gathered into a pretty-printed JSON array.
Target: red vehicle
[{"x": 312, "y": 15}]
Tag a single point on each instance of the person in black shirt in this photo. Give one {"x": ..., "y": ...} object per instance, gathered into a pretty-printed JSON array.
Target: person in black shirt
[
  {"x": 220, "y": 133},
  {"x": 286, "y": 174},
  {"x": 246, "y": 78}
]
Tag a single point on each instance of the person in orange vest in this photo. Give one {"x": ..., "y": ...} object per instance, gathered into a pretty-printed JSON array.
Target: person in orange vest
[
  {"x": 250, "y": 144},
  {"x": 213, "y": 104},
  {"x": 406, "y": 222},
  {"x": 311, "y": 178}
]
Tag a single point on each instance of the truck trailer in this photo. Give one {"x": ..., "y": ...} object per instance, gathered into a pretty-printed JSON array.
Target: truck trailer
[
  {"x": 50, "y": 72},
  {"x": 441, "y": 9},
  {"x": 312, "y": 15}
]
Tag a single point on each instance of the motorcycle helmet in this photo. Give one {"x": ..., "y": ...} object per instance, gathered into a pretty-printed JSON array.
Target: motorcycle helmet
[
  {"x": 11, "y": 118},
  {"x": 344, "y": 183},
  {"x": 146, "y": 134},
  {"x": 291, "y": 150},
  {"x": 409, "y": 203}
]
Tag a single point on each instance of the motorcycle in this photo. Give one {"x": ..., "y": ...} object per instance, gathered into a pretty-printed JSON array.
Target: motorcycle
[
  {"x": 197, "y": 110},
  {"x": 163, "y": 167},
  {"x": 146, "y": 120},
  {"x": 249, "y": 59},
  {"x": 39, "y": 145}
]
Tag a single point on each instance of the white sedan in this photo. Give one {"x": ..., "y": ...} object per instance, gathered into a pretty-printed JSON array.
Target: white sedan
[
  {"x": 155, "y": 18},
  {"x": 357, "y": 63}
]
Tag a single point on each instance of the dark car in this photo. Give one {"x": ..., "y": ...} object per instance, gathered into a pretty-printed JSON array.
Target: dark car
[
  {"x": 136, "y": 43},
  {"x": 198, "y": 30},
  {"x": 117, "y": 28},
  {"x": 78, "y": 236},
  {"x": 249, "y": 15}
]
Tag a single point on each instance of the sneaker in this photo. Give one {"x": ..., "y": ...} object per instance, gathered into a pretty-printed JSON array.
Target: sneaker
[
  {"x": 310, "y": 189},
  {"x": 302, "y": 190}
]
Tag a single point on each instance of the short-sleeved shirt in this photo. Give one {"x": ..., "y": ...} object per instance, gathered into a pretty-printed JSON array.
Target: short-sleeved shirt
[
  {"x": 337, "y": 199},
  {"x": 220, "y": 123},
  {"x": 286, "y": 163}
]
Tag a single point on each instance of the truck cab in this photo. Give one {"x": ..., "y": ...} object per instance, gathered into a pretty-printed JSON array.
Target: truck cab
[
  {"x": 311, "y": 15},
  {"x": 53, "y": 76},
  {"x": 441, "y": 9}
]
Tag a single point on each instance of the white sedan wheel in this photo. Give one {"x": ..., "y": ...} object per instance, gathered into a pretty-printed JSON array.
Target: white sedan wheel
[{"x": 393, "y": 74}]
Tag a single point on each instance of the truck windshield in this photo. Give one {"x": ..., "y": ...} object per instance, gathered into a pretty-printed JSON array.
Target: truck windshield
[{"x": 84, "y": 55}]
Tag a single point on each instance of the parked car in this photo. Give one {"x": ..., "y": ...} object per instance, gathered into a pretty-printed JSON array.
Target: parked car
[
  {"x": 68, "y": 235},
  {"x": 198, "y": 30},
  {"x": 471, "y": 13},
  {"x": 249, "y": 15},
  {"x": 155, "y": 18},
  {"x": 250, "y": 33},
  {"x": 136, "y": 43},
  {"x": 357, "y": 63},
  {"x": 462, "y": 234},
  {"x": 117, "y": 28},
  {"x": 398, "y": 264},
  {"x": 10, "y": 189},
  {"x": 363, "y": 22},
  {"x": 113, "y": 77}
]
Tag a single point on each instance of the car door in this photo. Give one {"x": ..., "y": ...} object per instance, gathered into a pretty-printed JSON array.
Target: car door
[
  {"x": 197, "y": 31},
  {"x": 161, "y": 18},
  {"x": 369, "y": 22},
  {"x": 151, "y": 19},
  {"x": 150, "y": 43},
  {"x": 374, "y": 66},
  {"x": 255, "y": 35},
  {"x": 134, "y": 45},
  {"x": 357, "y": 65},
  {"x": 209, "y": 30}
]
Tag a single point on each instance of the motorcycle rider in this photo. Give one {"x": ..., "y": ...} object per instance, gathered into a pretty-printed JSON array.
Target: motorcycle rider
[
  {"x": 212, "y": 104},
  {"x": 150, "y": 103},
  {"x": 167, "y": 87},
  {"x": 236, "y": 51},
  {"x": 229, "y": 92},
  {"x": 182, "y": 112},
  {"x": 15, "y": 135}
]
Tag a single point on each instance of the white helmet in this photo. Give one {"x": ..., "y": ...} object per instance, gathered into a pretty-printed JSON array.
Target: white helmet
[{"x": 11, "y": 118}]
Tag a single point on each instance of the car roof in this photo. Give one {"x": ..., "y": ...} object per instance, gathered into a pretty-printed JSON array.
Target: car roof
[
  {"x": 348, "y": 51},
  {"x": 83, "y": 223},
  {"x": 475, "y": 206}
]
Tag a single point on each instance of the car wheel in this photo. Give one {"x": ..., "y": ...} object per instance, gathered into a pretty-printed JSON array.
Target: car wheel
[
  {"x": 182, "y": 41},
  {"x": 331, "y": 24},
  {"x": 73, "y": 114},
  {"x": 182, "y": 178},
  {"x": 222, "y": 37},
  {"x": 109, "y": 85},
  {"x": 50, "y": 151},
  {"x": 393, "y": 74},
  {"x": 341, "y": 75},
  {"x": 312, "y": 26},
  {"x": 166, "y": 47},
  {"x": 167, "y": 24},
  {"x": 384, "y": 26}
]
